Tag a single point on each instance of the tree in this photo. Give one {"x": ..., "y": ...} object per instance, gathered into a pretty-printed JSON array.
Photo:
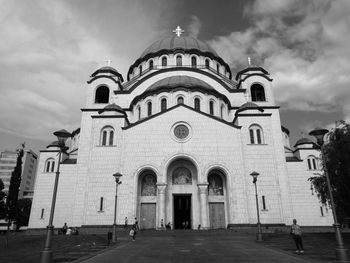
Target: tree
[
  {"x": 337, "y": 158},
  {"x": 2, "y": 201},
  {"x": 15, "y": 182},
  {"x": 23, "y": 211}
]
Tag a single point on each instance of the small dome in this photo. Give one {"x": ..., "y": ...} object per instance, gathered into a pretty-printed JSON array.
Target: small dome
[
  {"x": 179, "y": 81},
  {"x": 303, "y": 141},
  {"x": 107, "y": 70},
  {"x": 54, "y": 144},
  {"x": 249, "y": 104},
  {"x": 111, "y": 107},
  {"x": 174, "y": 43}
]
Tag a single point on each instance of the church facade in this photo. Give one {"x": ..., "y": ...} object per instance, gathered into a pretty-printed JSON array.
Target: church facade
[{"x": 185, "y": 135}]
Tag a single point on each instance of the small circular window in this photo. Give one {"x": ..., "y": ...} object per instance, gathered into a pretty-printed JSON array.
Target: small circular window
[{"x": 181, "y": 131}]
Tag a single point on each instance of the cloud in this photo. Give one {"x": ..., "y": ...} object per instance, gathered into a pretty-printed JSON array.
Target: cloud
[
  {"x": 303, "y": 44},
  {"x": 194, "y": 27}
]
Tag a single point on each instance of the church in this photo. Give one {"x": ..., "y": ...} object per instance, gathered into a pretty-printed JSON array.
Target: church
[{"x": 186, "y": 134}]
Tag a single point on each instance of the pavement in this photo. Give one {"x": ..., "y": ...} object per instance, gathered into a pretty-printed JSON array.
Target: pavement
[{"x": 194, "y": 246}]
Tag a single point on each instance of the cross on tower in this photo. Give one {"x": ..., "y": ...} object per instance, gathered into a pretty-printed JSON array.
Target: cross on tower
[
  {"x": 178, "y": 31},
  {"x": 249, "y": 62},
  {"x": 109, "y": 62}
]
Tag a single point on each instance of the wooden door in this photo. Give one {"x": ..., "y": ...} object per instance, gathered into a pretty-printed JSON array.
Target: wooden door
[
  {"x": 217, "y": 215},
  {"x": 148, "y": 216}
]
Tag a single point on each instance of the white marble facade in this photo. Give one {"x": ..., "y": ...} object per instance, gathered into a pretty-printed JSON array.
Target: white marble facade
[{"x": 186, "y": 136}]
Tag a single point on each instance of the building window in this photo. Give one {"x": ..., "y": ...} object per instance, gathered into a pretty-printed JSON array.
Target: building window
[
  {"x": 140, "y": 69},
  {"x": 139, "y": 112},
  {"x": 102, "y": 94},
  {"x": 180, "y": 100},
  {"x": 42, "y": 213},
  {"x": 149, "y": 108},
  {"x": 179, "y": 61},
  {"x": 207, "y": 63},
  {"x": 263, "y": 202},
  {"x": 164, "y": 61},
  {"x": 194, "y": 62},
  {"x": 50, "y": 165},
  {"x": 211, "y": 107},
  {"x": 216, "y": 186},
  {"x": 218, "y": 68},
  {"x": 101, "y": 204},
  {"x": 151, "y": 64},
  {"x": 256, "y": 134},
  {"x": 222, "y": 111},
  {"x": 107, "y": 136},
  {"x": 321, "y": 209},
  {"x": 149, "y": 184},
  {"x": 163, "y": 105},
  {"x": 312, "y": 163},
  {"x": 197, "y": 104},
  {"x": 257, "y": 92}
]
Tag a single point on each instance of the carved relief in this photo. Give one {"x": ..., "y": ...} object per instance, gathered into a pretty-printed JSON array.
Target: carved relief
[
  {"x": 215, "y": 185},
  {"x": 182, "y": 175},
  {"x": 148, "y": 185}
]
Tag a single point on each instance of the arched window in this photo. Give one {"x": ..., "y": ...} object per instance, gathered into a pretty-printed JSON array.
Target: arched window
[
  {"x": 207, "y": 63},
  {"x": 256, "y": 134},
  {"x": 164, "y": 61},
  {"x": 107, "y": 136},
  {"x": 218, "y": 68},
  {"x": 150, "y": 64},
  {"x": 50, "y": 165},
  {"x": 216, "y": 186},
  {"x": 197, "y": 104},
  {"x": 258, "y": 93},
  {"x": 194, "y": 62},
  {"x": 180, "y": 100},
  {"x": 312, "y": 162},
  {"x": 139, "y": 112},
  {"x": 163, "y": 104},
  {"x": 140, "y": 69},
  {"x": 149, "y": 185},
  {"x": 182, "y": 175},
  {"x": 102, "y": 94},
  {"x": 222, "y": 111},
  {"x": 211, "y": 107},
  {"x": 149, "y": 108},
  {"x": 179, "y": 61}
]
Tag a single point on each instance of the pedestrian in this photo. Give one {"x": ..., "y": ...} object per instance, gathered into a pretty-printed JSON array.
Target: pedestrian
[
  {"x": 295, "y": 231},
  {"x": 126, "y": 223},
  {"x": 134, "y": 229},
  {"x": 64, "y": 229}
]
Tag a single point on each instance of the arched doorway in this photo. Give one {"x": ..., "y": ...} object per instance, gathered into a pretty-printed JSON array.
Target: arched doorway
[
  {"x": 182, "y": 194},
  {"x": 217, "y": 199},
  {"x": 147, "y": 192}
]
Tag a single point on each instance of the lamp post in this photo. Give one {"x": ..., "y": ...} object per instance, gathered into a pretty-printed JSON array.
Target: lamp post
[
  {"x": 46, "y": 253},
  {"x": 117, "y": 182},
  {"x": 340, "y": 250},
  {"x": 259, "y": 234}
]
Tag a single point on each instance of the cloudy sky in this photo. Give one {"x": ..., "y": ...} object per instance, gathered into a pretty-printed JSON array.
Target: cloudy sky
[{"x": 48, "y": 49}]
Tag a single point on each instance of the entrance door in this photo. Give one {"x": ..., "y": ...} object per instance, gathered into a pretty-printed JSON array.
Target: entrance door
[
  {"x": 148, "y": 216},
  {"x": 182, "y": 211},
  {"x": 217, "y": 215}
]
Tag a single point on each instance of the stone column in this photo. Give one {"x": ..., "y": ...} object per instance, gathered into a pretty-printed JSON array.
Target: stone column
[
  {"x": 203, "y": 198},
  {"x": 161, "y": 205}
]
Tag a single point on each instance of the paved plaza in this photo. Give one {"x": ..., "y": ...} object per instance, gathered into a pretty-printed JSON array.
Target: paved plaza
[{"x": 193, "y": 246}]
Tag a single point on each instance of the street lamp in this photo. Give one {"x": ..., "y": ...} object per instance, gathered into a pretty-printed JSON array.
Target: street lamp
[
  {"x": 46, "y": 254},
  {"x": 340, "y": 250},
  {"x": 255, "y": 178},
  {"x": 117, "y": 182}
]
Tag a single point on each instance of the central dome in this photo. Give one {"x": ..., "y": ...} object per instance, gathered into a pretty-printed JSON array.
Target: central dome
[{"x": 174, "y": 43}]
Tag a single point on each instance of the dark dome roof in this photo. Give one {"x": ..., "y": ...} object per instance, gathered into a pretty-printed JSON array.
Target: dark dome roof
[
  {"x": 112, "y": 107},
  {"x": 54, "y": 144},
  {"x": 303, "y": 141},
  {"x": 249, "y": 104},
  {"x": 107, "y": 70},
  {"x": 178, "y": 43},
  {"x": 179, "y": 81}
]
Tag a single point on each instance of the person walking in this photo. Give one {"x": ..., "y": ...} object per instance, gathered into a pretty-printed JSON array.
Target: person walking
[
  {"x": 64, "y": 229},
  {"x": 295, "y": 231},
  {"x": 125, "y": 223},
  {"x": 134, "y": 229}
]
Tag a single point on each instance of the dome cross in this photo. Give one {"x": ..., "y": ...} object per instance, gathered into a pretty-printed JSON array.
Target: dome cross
[
  {"x": 178, "y": 31},
  {"x": 109, "y": 62}
]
